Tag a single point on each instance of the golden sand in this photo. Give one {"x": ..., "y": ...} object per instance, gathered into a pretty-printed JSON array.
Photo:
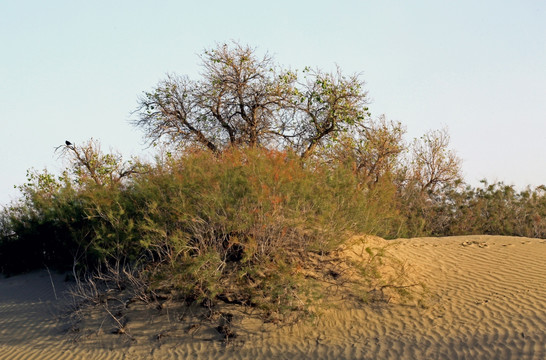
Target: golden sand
[{"x": 486, "y": 300}]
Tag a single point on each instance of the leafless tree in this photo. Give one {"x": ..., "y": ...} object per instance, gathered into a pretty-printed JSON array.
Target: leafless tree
[
  {"x": 246, "y": 100},
  {"x": 373, "y": 149},
  {"x": 327, "y": 105},
  {"x": 89, "y": 162},
  {"x": 433, "y": 163},
  {"x": 235, "y": 102}
]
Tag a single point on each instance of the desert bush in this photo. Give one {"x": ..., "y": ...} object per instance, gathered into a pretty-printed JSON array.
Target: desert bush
[
  {"x": 229, "y": 225},
  {"x": 37, "y": 230},
  {"x": 81, "y": 215},
  {"x": 498, "y": 209},
  {"x": 232, "y": 226},
  {"x": 275, "y": 169}
]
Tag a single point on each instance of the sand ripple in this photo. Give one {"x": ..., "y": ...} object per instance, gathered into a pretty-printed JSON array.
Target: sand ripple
[{"x": 486, "y": 300}]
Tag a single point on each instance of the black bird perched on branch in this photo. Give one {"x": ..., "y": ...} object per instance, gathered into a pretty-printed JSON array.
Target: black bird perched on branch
[{"x": 68, "y": 143}]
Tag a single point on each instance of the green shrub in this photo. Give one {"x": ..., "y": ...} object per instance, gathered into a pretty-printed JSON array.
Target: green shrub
[
  {"x": 38, "y": 230},
  {"x": 230, "y": 224},
  {"x": 241, "y": 225}
]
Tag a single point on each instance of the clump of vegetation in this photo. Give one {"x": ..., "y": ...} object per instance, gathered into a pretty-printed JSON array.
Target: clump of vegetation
[
  {"x": 264, "y": 176},
  {"x": 494, "y": 209},
  {"x": 238, "y": 224}
]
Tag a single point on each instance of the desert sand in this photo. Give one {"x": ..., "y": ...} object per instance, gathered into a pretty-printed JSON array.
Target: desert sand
[{"x": 485, "y": 299}]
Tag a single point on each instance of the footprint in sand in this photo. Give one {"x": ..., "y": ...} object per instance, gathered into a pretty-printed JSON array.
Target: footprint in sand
[{"x": 472, "y": 243}]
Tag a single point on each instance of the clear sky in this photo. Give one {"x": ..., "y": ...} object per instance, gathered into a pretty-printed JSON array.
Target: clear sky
[{"x": 73, "y": 69}]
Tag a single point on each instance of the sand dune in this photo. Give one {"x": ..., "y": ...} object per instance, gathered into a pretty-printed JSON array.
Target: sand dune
[{"x": 486, "y": 299}]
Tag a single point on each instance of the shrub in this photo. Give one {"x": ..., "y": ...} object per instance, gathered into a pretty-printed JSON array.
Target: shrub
[
  {"x": 37, "y": 231},
  {"x": 72, "y": 217},
  {"x": 229, "y": 225}
]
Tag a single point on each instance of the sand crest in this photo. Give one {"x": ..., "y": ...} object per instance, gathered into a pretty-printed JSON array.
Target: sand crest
[{"x": 486, "y": 299}]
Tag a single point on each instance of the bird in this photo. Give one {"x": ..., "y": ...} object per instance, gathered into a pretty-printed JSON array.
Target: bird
[{"x": 68, "y": 143}]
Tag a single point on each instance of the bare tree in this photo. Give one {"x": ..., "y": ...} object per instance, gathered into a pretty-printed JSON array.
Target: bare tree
[
  {"x": 326, "y": 105},
  {"x": 246, "y": 100},
  {"x": 374, "y": 149},
  {"x": 433, "y": 163},
  {"x": 235, "y": 102},
  {"x": 88, "y": 162}
]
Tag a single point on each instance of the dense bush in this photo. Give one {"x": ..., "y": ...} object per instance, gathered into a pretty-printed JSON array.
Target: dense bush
[
  {"x": 268, "y": 170},
  {"x": 498, "y": 209},
  {"x": 244, "y": 226},
  {"x": 234, "y": 225},
  {"x": 238, "y": 224},
  {"x": 37, "y": 231}
]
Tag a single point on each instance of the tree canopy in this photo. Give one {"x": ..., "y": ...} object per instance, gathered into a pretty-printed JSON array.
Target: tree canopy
[{"x": 246, "y": 100}]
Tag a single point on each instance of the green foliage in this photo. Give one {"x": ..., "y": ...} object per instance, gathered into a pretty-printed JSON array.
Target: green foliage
[
  {"x": 36, "y": 230},
  {"x": 498, "y": 209},
  {"x": 236, "y": 225},
  {"x": 70, "y": 218}
]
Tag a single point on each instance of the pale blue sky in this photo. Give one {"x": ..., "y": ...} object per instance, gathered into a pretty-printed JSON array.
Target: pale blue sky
[{"x": 73, "y": 69}]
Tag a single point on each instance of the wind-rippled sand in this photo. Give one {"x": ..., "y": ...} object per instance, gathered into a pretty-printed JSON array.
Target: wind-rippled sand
[{"x": 486, "y": 299}]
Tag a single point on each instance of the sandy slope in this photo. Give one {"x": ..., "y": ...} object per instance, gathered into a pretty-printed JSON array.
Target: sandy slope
[{"x": 486, "y": 300}]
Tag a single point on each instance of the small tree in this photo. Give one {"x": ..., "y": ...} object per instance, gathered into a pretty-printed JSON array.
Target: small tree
[
  {"x": 325, "y": 106},
  {"x": 88, "y": 162},
  {"x": 374, "y": 150},
  {"x": 245, "y": 100},
  {"x": 434, "y": 164},
  {"x": 428, "y": 183}
]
